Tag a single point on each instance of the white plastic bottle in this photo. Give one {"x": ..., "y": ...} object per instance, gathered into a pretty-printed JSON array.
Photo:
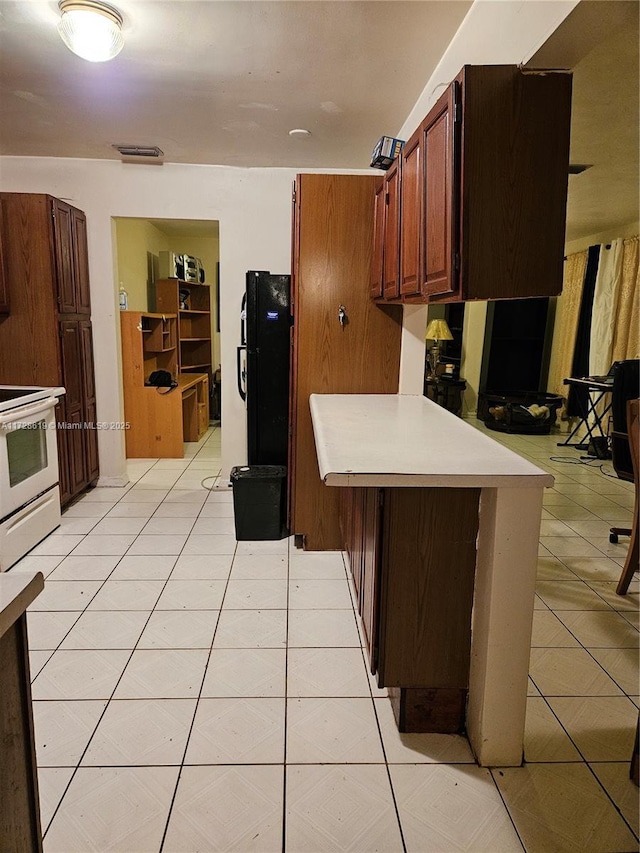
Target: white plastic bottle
[{"x": 124, "y": 298}]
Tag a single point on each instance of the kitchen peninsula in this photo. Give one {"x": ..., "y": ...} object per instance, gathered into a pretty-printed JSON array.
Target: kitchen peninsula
[
  {"x": 20, "y": 830},
  {"x": 441, "y": 525}
]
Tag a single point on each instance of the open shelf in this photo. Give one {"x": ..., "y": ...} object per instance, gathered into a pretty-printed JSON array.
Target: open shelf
[
  {"x": 160, "y": 422},
  {"x": 191, "y": 302}
]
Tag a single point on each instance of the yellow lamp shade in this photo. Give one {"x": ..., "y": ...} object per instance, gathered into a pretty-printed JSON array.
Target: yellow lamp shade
[{"x": 438, "y": 330}]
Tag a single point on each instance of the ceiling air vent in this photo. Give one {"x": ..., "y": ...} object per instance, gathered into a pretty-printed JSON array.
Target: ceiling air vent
[
  {"x": 578, "y": 168},
  {"x": 147, "y": 153}
]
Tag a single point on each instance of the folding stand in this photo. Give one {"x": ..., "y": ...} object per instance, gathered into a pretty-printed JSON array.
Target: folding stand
[{"x": 599, "y": 388}]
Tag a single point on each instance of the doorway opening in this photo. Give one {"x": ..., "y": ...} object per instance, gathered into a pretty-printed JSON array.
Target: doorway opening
[{"x": 167, "y": 277}]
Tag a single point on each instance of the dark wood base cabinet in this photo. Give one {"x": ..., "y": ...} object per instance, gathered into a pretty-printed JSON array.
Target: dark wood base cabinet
[
  {"x": 412, "y": 554},
  {"x": 46, "y": 339}
]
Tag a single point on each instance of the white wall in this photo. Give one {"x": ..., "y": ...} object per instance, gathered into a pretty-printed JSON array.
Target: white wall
[{"x": 253, "y": 207}]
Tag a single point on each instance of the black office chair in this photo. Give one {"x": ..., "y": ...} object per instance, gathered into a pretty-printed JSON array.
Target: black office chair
[
  {"x": 626, "y": 386},
  {"x": 632, "y": 562}
]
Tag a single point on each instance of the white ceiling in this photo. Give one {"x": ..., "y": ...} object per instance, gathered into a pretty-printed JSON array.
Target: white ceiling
[
  {"x": 222, "y": 83},
  {"x": 217, "y": 82},
  {"x": 599, "y": 41}
]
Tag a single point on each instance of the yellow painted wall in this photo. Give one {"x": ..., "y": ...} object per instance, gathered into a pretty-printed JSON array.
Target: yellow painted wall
[
  {"x": 624, "y": 231},
  {"x": 136, "y": 239},
  {"x": 139, "y": 243}
]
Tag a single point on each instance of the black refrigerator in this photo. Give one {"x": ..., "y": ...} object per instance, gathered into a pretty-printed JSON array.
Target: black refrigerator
[{"x": 266, "y": 324}]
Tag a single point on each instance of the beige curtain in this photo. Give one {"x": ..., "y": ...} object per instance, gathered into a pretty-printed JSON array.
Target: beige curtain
[
  {"x": 566, "y": 323},
  {"x": 626, "y": 336}
]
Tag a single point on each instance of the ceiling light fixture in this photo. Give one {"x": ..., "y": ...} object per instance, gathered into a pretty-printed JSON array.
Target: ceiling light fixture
[{"x": 90, "y": 29}]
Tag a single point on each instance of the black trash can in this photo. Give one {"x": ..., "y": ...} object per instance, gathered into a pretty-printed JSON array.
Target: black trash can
[{"x": 260, "y": 501}]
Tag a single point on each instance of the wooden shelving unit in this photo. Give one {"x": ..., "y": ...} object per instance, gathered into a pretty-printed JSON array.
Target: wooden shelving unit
[
  {"x": 160, "y": 419},
  {"x": 194, "y": 321}
]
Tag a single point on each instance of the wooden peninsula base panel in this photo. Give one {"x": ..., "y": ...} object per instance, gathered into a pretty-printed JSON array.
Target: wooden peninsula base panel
[
  {"x": 441, "y": 526},
  {"x": 412, "y": 554}
]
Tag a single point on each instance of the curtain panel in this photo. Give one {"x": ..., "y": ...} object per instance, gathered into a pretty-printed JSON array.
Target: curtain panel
[
  {"x": 626, "y": 337},
  {"x": 566, "y": 323}
]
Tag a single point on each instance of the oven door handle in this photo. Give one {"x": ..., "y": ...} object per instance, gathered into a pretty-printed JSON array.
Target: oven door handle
[{"x": 20, "y": 413}]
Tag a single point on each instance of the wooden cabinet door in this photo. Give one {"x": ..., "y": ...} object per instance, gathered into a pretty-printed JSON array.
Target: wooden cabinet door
[
  {"x": 88, "y": 373},
  {"x": 293, "y": 367},
  {"x": 391, "y": 260},
  {"x": 377, "y": 263},
  {"x": 64, "y": 466},
  {"x": 64, "y": 256},
  {"x": 360, "y": 357},
  {"x": 81, "y": 262},
  {"x": 440, "y": 226},
  {"x": 411, "y": 188},
  {"x": 4, "y": 284},
  {"x": 72, "y": 373},
  {"x": 371, "y": 571},
  {"x": 73, "y": 381},
  {"x": 89, "y": 397},
  {"x": 356, "y": 552}
]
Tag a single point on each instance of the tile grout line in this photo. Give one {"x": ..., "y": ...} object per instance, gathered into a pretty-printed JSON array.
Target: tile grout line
[{"x": 77, "y": 767}]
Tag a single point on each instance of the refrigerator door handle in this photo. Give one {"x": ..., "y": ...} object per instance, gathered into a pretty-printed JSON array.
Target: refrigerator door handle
[
  {"x": 241, "y": 370},
  {"x": 243, "y": 320}
]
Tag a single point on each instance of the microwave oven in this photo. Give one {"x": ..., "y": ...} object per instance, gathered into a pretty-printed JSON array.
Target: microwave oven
[{"x": 183, "y": 267}]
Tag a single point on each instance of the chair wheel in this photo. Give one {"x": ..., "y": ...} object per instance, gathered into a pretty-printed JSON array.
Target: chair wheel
[{"x": 613, "y": 538}]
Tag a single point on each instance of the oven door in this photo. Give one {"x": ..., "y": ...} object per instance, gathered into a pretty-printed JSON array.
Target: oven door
[{"x": 28, "y": 454}]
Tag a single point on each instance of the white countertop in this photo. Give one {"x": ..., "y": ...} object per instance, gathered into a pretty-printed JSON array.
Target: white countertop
[
  {"x": 17, "y": 591},
  {"x": 404, "y": 440}
]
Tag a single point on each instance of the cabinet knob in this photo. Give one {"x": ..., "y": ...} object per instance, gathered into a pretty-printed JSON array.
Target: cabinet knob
[{"x": 342, "y": 316}]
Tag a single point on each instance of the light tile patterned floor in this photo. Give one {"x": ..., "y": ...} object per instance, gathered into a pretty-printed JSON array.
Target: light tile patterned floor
[{"x": 192, "y": 693}]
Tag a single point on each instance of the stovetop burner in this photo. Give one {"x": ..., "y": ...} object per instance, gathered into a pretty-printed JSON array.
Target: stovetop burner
[{"x": 7, "y": 394}]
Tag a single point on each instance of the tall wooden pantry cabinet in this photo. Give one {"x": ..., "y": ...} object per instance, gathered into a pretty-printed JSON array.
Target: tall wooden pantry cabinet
[
  {"x": 343, "y": 343},
  {"x": 45, "y": 339}
]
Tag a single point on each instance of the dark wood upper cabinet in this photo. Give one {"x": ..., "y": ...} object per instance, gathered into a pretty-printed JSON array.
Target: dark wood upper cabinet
[
  {"x": 483, "y": 190},
  {"x": 377, "y": 264},
  {"x": 410, "y": 222},
  {"x": 63, "y": 236},
  {"x": 81, "y": 261},
  {"x": 72, "y": 261},
  {"x": 390, "y": 257},
  {"x": 439, "y": 227}
]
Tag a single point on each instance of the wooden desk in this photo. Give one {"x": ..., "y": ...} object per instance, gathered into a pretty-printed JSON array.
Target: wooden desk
[
  {"x": 442, "y": 615},
  {"x": 194, "y": 388},
  {"x": 19, "y": 802},
  {"x": 162, "y": 419},
  {"x": 159, "y": 420}
]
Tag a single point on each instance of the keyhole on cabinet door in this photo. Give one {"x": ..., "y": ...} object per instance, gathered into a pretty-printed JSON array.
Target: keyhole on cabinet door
[{"x": 342, "y": 316}]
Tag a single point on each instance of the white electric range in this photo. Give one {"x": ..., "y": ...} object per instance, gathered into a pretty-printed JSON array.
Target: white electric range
[{"x": 29, "y": 494}]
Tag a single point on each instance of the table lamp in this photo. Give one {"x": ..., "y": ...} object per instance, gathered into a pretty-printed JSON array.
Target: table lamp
[{"x": 437, "y": 331}]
